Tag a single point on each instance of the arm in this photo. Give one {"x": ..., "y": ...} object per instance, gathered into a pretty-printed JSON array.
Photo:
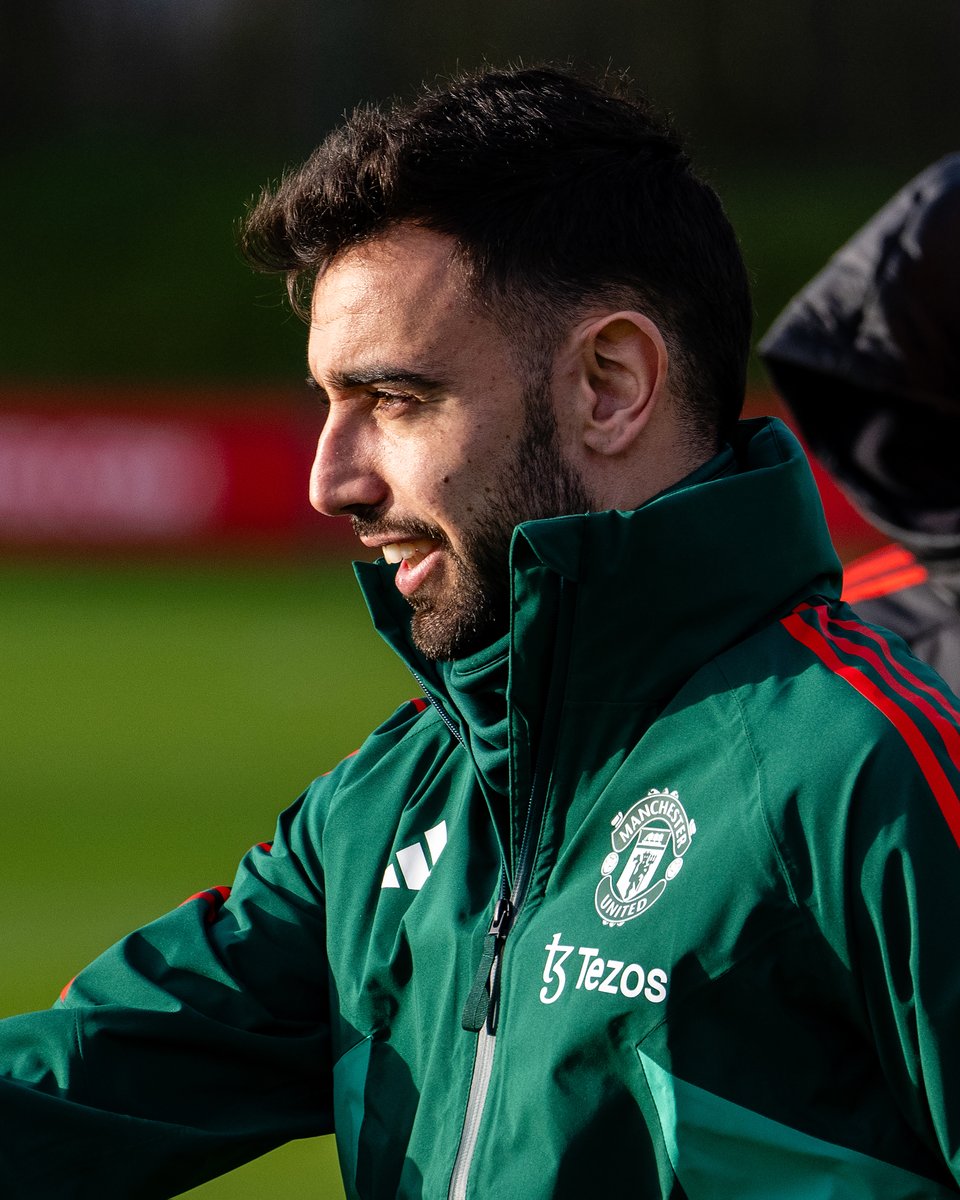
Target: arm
[
  {"x": 193, "y": 1045},
  {"x": 906, "y": 869},
  {"x": 880, "y": 823}
]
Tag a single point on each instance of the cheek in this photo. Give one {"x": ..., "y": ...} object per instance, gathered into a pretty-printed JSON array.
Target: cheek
[
  {"x": 424, "y": 487},
  {"x": 450, "y": 480}
]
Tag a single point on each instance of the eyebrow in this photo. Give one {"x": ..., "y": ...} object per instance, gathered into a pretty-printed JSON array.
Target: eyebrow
[{"x": 380, "y": 373}]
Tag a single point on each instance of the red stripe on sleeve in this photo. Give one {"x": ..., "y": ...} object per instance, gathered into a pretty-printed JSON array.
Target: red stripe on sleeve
[
  {"x": 214, "y": 898},
  {"x": 949, "y": 734},
  {"x": 820, "y": 645},
  {"x": 902, "y": 670}
]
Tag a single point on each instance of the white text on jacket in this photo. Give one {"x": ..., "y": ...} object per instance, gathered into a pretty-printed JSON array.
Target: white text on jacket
[{"x": 595, "y": 974}]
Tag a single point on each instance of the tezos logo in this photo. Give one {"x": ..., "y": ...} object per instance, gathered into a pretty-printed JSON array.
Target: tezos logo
[
  {"x": 644, "y": 833},
  {"x": 611, "y": 975}
]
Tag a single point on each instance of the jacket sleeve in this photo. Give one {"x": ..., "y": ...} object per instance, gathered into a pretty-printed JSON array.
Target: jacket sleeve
[
  {"x": 193, "y": 1045},
  {"x": 903, "y": 899}
]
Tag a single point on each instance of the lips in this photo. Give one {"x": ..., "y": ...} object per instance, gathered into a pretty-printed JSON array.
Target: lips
[{"x": 417, "y": 559}]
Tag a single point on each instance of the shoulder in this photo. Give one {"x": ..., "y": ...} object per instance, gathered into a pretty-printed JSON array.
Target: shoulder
[
  {"x": 874, "y": 680},
  {"x": 395, "y": 763},
  {"x": 406, "y": 734},
  {"x": 855, "y": 761},
  {"x": 853, "y": 735},
  {"x": 827, "y": 670},
  {"x": 891, "y": 587}
]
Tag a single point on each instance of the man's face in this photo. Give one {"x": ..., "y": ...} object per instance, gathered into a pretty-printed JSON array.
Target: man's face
[{"x": 433, "y": 442}]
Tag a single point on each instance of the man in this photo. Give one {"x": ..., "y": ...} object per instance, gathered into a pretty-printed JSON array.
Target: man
[
  {"x": 867, "y": 358},
  {"x": 642, "y": 896}
]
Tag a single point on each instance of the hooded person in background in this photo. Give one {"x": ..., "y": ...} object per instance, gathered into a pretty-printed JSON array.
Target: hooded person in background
[{"x": 867, "y": 356}]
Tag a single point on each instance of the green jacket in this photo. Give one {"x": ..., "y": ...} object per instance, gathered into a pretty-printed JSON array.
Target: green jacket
[{"x": 651, "y": 898}]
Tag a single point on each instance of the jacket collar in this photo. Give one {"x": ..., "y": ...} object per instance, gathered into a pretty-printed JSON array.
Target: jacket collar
[
  {"x": 666, "y": 588},
  {"x": 659, "y": 591}
]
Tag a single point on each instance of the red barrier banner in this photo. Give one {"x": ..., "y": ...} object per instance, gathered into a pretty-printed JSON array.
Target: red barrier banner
[{"x": 147, "y": 472}]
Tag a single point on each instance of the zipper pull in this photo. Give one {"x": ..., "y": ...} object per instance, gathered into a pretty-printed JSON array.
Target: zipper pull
[
  {"x": 502, "y": 918},
  {"x": 481, "y": 1006}
]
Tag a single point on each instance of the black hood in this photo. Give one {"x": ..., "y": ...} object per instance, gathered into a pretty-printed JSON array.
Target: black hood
[{"x": 867, "y": 357}]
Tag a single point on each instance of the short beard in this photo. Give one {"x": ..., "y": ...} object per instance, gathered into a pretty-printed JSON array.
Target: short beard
[{"x": 536, "y": 483}]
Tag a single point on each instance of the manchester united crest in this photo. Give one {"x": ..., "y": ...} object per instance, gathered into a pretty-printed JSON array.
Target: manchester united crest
[{"x": 649, "y": 842}]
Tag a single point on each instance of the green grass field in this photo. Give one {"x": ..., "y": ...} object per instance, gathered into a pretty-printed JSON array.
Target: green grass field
[{"x": 157, "y": 719}]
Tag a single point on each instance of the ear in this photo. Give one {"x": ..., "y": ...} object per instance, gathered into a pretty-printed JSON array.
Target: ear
[{"x": 624, "y": 362}]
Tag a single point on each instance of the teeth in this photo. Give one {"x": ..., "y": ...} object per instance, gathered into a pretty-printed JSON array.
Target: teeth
[{"x": 395, "y": 552}]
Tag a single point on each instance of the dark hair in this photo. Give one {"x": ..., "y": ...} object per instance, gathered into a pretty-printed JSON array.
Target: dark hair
[{"x": 558, "y": 193}]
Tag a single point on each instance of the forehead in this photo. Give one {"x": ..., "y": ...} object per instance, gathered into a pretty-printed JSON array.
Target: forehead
[{"x": 404, "y": 292}]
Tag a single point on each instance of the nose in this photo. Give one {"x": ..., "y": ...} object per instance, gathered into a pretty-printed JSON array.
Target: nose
[{"x": 344, "y": 475}]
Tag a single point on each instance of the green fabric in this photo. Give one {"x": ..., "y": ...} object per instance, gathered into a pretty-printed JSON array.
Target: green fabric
[
  {"x": 708, "y": 1139},
  {"x": 349, "y": 1083},
  {"x": 478, "y": 687},
  {"x": 742, "y": 871}
]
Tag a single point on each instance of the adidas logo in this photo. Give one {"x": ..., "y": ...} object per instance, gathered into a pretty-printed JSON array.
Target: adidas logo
[{"x": 412, "y": 860}]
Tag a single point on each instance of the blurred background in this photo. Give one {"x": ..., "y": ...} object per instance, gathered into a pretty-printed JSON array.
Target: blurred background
[{"x": 182, "y": 647}]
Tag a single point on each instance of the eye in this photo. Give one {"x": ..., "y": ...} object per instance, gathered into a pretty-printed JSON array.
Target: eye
[{"x": 392, "y": 403}]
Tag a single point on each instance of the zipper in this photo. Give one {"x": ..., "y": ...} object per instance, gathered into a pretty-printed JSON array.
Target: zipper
[
  {"x": 479, "y": 1082},
  {"x": 479, "y": 1003},
  {"x": 434, "y": 703},
  {"x": 479, "y": 1012},
  {"x": 482, "y": 1009}
]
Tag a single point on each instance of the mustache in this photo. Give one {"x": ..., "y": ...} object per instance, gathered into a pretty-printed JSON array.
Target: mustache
[{"x": 375, "y": 525}]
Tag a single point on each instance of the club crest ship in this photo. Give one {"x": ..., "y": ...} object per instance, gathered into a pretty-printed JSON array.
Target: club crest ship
[{"x": 649, "y": 842}]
